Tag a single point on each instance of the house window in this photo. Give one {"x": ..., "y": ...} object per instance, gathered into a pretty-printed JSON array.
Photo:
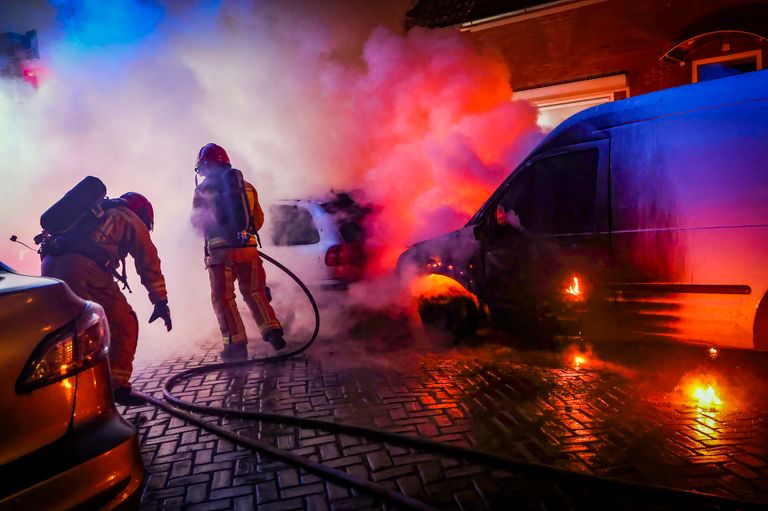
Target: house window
[
  {"x": 552, "y": 114},
  {"x": 558, "y": 102},
  {"x": 727, "y": 65}
]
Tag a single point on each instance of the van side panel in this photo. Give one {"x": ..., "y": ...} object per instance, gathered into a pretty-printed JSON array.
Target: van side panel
[{"x": 690, "y": 223}]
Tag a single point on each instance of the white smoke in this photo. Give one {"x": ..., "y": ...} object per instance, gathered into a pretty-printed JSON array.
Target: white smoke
[{"x": 304, "y": 95}]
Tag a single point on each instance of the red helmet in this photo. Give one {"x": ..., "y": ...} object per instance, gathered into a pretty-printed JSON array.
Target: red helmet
[
  {"x": 212, "y": 155},
  {"x": 140, "y": 205}
]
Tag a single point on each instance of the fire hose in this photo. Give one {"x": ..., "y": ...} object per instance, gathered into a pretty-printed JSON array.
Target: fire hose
[{"x": 180, "y": 408}]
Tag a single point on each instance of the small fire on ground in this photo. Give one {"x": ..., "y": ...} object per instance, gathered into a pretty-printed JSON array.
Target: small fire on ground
[
  {"x": 580, "y": 357},
  {"x": 706, "y": 398},
  {"x": 701, "y": 390}
]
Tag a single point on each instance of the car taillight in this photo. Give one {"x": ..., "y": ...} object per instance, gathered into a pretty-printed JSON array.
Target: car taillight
[
  {"x": 346, "y": 254},
  {"x": 77, "y": 346}
]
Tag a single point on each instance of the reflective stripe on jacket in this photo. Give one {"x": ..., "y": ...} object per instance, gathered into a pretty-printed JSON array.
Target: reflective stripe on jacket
[{"x": 123, "y": 233}]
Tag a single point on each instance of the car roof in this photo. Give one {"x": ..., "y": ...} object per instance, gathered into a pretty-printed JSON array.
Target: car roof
[{"x": 586, "y": 125}]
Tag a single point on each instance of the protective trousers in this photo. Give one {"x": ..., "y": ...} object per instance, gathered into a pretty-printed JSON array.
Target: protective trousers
[
  {"x": 90, "y": 282},
  {"x": 244, "y": 266}
]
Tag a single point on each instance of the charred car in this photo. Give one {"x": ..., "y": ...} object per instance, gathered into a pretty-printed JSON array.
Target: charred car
[{"x": 641, "y": 219}]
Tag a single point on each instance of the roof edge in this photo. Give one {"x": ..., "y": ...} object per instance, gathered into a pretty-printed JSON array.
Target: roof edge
[{"x": 524, "y": 14}]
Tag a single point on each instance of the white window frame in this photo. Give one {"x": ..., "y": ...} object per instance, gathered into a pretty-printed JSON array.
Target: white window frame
[
  {"x": 545, "y": 98},
  {"x": 758, "y": 54}
]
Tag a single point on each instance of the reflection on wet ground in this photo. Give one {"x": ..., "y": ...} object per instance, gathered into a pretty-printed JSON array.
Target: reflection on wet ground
[{"x": 599, "y": 415}]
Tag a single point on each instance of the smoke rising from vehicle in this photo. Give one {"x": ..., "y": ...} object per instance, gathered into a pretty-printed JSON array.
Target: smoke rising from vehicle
[{"x": 306, "y": 96}]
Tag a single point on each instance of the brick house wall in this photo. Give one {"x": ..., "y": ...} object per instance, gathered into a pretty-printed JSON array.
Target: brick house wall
[{"x": 610, "y": 37}]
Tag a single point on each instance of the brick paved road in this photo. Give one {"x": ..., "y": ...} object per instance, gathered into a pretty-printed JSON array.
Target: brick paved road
[{"x": 602, "y": 420}]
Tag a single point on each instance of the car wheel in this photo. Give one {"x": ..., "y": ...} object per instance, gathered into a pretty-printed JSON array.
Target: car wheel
[{"x": 459, "y": 316}]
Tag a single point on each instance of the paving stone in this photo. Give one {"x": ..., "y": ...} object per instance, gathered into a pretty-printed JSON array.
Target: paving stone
[
  {"x": 283, "y": 505},
  {"x": 211, "y": 505},
  {"x": 236, "y": 491},
  {"x": 196, "y": 493},
  {"x": 266, "y": 492},
  {"x": 378, "y": 460},
  {"x": 221, "y": 479},
  {"x": 303, "y": 490},
  {"x": 245, "y": 503},
  {"x": 288, "y": 478},
  {"x": 189, "y": 480},
  {"x": 591, "y": 421}
]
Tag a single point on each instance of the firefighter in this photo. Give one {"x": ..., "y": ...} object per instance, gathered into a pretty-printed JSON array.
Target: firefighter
[
  {"x": 226, "y": 210},
  {"x": 123, "y": 230}
]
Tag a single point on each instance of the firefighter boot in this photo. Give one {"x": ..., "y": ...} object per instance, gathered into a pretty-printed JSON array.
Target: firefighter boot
[
  {"x": 234, "y": 352},
  {"x": 275, "y": 338},
  {"x": 124, "y": 396}
]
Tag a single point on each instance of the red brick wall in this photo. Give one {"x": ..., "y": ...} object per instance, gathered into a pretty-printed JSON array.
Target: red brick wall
[{"x": 616, "y": 36}]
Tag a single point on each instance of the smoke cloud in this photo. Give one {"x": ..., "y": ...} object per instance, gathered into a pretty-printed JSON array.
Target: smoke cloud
[{"x": 306, "y": 96}]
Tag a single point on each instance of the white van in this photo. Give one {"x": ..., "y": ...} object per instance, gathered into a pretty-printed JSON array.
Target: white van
[{"x": 645, "y": 218}]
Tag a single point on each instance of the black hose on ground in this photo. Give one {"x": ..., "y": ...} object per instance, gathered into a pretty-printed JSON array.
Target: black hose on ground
[{"x": 180, "y": 408}]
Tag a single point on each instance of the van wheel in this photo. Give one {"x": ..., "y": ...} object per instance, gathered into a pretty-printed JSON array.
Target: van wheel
[{"x": 458, "y": 315}]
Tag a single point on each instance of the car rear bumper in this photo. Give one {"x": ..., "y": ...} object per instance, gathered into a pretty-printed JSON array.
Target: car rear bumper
[{"x": 96, "y": 466}]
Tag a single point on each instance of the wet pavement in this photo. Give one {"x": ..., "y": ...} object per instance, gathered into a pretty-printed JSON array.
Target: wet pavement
[{"x": 622, "y": 421}]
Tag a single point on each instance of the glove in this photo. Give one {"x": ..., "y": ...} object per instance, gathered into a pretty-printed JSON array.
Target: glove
[{"x": 162, "y": 311}]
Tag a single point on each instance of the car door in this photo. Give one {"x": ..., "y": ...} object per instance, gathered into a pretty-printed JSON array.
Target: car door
[{"x": 546, "y": 243}]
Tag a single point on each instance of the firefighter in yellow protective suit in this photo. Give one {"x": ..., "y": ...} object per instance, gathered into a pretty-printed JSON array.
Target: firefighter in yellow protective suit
[
  {"x": 89, "y": 270},
  {"x": 226, "y": 210}
]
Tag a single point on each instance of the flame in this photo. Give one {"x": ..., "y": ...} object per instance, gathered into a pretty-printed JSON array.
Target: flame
[
  {"x": 700, "y": 389},
  {"x": 574, "y": 290},
  {"x": 706, "y": 398},
  {"x": 713, "y": 353},
  {"x": 580, "y": 356}
]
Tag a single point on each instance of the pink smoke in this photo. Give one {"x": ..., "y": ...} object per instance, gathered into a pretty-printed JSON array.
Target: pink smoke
[{"x": 431, "y": 132}]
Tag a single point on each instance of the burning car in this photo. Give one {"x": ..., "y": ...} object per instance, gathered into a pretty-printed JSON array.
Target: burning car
[
  {"x": 644, "y": 219},
  {"x": 63, "y": 445},
  {"x": 323, "y": 240}
]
